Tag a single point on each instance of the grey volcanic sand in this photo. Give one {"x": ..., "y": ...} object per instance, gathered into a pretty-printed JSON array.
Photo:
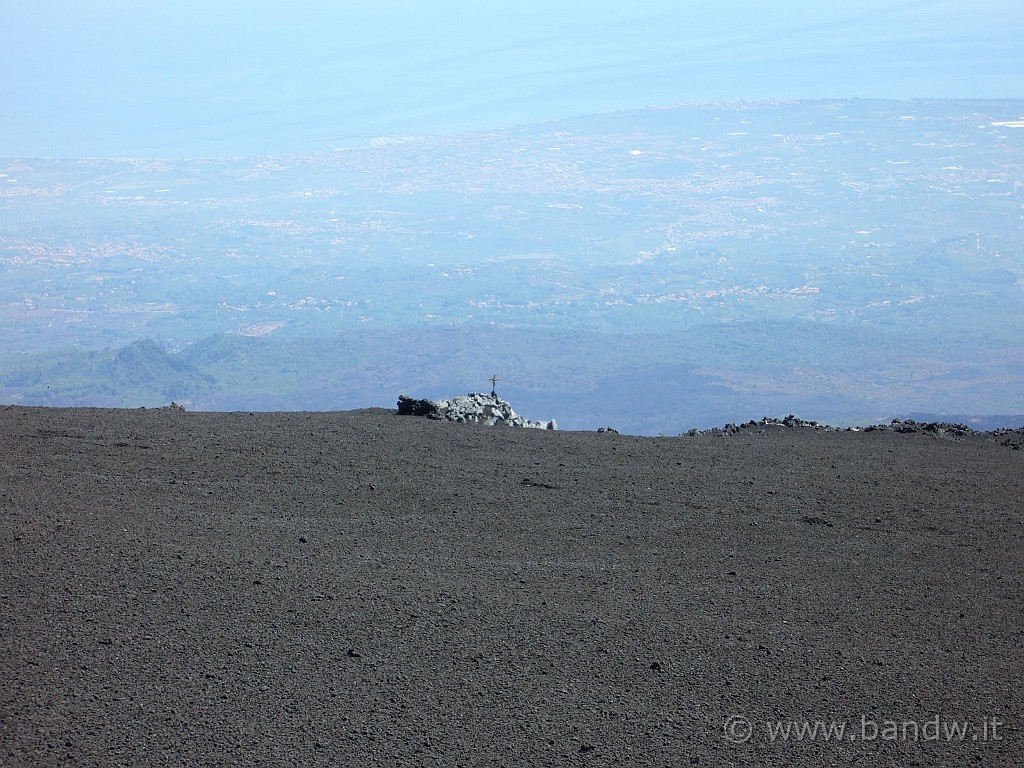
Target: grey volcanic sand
[{"x": 366, "y": 589}]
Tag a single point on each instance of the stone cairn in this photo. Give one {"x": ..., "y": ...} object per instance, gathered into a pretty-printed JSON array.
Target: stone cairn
[{"x": 474, "y": 408}]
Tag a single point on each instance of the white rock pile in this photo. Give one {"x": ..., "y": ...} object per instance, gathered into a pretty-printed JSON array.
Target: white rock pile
[{"x": 476, "y": 408}]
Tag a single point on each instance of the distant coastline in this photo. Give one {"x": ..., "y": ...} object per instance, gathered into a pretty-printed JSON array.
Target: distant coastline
[{"x": 211, "y": 81}]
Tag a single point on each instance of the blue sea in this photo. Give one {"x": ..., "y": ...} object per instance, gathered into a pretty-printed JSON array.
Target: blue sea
[{"x": 200, "y": 79}]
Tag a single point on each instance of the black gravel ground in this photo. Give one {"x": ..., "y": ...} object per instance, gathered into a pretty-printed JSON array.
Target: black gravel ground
[{"x": 364, "y": 589}]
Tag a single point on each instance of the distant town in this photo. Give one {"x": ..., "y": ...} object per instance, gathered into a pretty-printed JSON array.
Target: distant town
[{"x": 853, "y": 258}]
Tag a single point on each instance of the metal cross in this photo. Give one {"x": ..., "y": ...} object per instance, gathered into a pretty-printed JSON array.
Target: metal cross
[{"x": 494, "y": 385}]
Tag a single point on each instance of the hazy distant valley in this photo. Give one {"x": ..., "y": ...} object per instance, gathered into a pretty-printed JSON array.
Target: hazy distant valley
[{"x": 657, "y": 270}]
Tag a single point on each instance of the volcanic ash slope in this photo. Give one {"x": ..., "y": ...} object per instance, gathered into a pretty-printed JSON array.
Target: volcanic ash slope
[{"x": 364, "y": 589}]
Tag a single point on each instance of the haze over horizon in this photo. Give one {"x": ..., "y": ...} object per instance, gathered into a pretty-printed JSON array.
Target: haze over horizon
[
  {"x": 830, "y": 225},
  {"x": 191, "y": 79}
]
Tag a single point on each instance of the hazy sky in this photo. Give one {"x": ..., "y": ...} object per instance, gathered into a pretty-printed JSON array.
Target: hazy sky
[{"x": 214, "y": 77}]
